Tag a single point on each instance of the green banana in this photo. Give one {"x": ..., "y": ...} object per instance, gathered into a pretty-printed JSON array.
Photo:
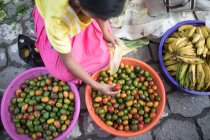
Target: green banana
[
  {"x": 178, "y": 71},
  {"x": 187, "y": 80},
  {"x": 183, "y": 71}
]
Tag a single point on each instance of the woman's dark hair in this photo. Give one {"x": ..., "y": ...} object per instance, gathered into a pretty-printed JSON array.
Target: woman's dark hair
[{"x": 103, "y": 9}]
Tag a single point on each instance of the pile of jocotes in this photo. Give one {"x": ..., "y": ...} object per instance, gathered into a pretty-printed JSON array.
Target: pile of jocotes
[
  {"x": 43, "y": 107},
  {"x": 136, "y": 103},
  {"x": 186, "y": 55}
]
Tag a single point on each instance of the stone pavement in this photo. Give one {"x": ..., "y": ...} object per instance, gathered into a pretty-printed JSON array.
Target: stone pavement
[{"x": 186, "y": 117}]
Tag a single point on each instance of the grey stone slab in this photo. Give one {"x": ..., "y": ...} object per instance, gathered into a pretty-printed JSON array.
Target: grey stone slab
[
  {"x": 176, "y": 130},
  {"x": 205, "y": 127},
  {"x": 201, "y": 15},
  {"x": 187, "y": 105},
  {"x": 203, "y": 5},
  {"x": 4, "y": 136},
  {"x": 8, "y": 74},
  {"x": 6, "y": 1},
  {"x": 91, "y": 128},
  {"x": 154, "y": 48},
  {"x": 9, "y": 32},
  {"x": 142, "y": 54},
  {"x": 3, "y": 58},
  {"x": 14, "y": 54},
  {"x": 82, "y": 96},
  {"x": 30, "y": 28},
  {"x": 166, "y": 112},
  {"x": 145, "y": 136},
  {"x": 167, "y": 86},
  {"x": 28, "y": 13},
  {"x": 75, "y": 133},
  {"x": 182, "y": 16}
]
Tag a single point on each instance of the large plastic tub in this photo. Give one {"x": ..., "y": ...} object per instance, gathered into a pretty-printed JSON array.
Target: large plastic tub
[
  {"x": 160, "y": 109},
  {"x": 10, "y": 92},
  {"x": 162, "y": 65}
]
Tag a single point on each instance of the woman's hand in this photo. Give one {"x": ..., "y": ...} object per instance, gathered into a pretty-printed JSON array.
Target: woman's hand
[
  {"x": 108, "y": 36},
  {"x": 76, "y": 69},
  {"x": 106, "y": 89}
]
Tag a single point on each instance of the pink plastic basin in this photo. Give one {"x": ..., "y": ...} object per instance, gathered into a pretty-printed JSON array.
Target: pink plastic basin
[{"x": 10, "y": 92}]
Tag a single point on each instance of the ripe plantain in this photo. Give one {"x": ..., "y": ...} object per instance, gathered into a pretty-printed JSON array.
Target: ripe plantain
[
  {"x": 198, "y": 30},
  {"x": 207, "y": 29},
  {"x": 168, "y": 56},
  {"x": 170, "y": 40},
  {"x": 192, "y": 76},
  {"x": 208, "y": 42},
  {"x": 187, "y": 51},
  {"x": 190, "y": 60},
  {"x": 205, "y": 51},
  {"x": 187, "y": 80},
  {"x": 200, "y": 76},
  {"x": 200, "y": 50},
  {"x": 196, "y": 38},
  {"x": 175, "y": 35},
  {"x": 171, "y": 62},
  {"x": 204, "y": 32},
  {"x": 185, "y": 27},
  {"x": 191, "y": 32},
  {"x": 172, "y": 67}
]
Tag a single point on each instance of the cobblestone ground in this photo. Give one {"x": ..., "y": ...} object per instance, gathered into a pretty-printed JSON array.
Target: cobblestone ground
[{"x": 186, "y": 117}]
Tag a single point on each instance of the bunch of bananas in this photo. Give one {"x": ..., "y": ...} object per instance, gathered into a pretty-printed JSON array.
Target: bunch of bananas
[{"x": 186, "y": 54}]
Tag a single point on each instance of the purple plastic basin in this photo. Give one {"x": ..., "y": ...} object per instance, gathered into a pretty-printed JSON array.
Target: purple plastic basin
[
  {"x": 10, "y": 92},
  {"x": 162, "y": 65}
]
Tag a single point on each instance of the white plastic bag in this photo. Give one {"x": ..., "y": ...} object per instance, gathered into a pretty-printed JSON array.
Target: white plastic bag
[{"x": 122, "y": 49}]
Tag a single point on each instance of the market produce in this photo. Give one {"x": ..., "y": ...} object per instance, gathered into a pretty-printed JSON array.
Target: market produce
[
  {"x": 42, "y": 107},
  {"x": 186, "y": 55},
  {"x": 135, "y": 105}
]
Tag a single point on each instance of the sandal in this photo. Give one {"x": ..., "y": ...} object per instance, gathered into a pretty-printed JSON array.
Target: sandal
[{"x": 28, "y": 52}]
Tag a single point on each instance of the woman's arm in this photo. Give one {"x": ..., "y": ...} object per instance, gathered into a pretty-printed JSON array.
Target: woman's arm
[
  {"x": 76, "y": 69},
  {"x": 108, "y": 36}
]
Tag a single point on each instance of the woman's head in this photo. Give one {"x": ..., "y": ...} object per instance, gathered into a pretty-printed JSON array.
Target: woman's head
[{"x": 102, "y": 9}]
